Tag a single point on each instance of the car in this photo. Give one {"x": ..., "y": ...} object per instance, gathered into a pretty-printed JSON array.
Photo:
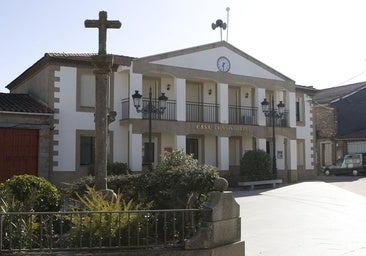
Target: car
[{"x": 354, "y": 164}]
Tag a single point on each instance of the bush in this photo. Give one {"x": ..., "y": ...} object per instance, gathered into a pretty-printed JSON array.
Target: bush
[
  {"x": 178, "y": 182},
  {"x": 123, "y": 183},
  {"x": 256, "y": 165},
  {"x": 30, "y": 193},
  {"x": 115, "y": 168},
  {"x": 109, "y": 228}
]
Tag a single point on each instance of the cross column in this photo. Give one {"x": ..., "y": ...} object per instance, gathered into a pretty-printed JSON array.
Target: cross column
[{"x": 103, "y": 67}]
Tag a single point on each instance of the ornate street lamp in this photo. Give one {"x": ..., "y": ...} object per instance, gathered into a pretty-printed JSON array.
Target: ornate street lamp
[
  {"x": 273, "y": 114},
  {"x": 149, "y": 109}
]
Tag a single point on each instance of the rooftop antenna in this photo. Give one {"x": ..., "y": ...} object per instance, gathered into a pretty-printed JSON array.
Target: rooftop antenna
[
  {"x": 227, "y": 23},
  {"x": 219, "y": 23}
]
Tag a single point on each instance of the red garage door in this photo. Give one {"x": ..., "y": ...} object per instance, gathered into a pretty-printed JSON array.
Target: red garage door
[{"x": 18, "y": 152}]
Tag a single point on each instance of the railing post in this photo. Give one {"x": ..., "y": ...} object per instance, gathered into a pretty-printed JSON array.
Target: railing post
[{"x": 221, "y": 230}]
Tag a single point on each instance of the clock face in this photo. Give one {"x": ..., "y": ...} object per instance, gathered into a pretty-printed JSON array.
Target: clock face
[{"x": 223, "y": 64}]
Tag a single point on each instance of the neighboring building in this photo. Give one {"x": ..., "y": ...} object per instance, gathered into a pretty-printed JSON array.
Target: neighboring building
[
  {"x": 213, "y": 112},
  {"x": 340, "y": 117},
  {"x": 25, "y": 126}
]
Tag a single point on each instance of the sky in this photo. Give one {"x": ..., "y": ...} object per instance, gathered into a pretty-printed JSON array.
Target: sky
[{"x": 319, "y": 43}]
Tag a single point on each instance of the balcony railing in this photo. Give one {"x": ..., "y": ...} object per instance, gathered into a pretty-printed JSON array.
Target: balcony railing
[
  {"x": 201, "y": 112},
  {"x": 169, "y": 113},
  {"x": 242, "y": 115},
  {"x": 97, "y": 230},
  {"x": 280, "y": 122}
]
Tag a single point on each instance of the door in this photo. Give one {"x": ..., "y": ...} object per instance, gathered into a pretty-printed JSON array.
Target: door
[
  {"x": 192, "y": 147},
  {"x": 18, "y": 152},
  {"x": 234, "y": 151}
]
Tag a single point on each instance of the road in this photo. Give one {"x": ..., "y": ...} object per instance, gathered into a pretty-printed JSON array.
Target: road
[{"x": 324, "y": 217}]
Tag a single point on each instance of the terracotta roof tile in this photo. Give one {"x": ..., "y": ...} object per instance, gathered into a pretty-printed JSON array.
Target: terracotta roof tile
[
  {"x": 14, "y": 102},
  {"x": 87, "y": 57}
]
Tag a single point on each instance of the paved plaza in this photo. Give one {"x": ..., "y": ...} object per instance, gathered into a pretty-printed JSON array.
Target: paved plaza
[{"x": 324, "y": 217}]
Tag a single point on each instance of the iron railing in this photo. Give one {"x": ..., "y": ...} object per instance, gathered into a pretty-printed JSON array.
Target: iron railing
[
  {"x": 86, "y": 230},
  {"x": 201, "y": 112},
  {"x": 169, "y": 113},
  {"x": 242, "y": 115},
  {"x": 279, "y": 122}
]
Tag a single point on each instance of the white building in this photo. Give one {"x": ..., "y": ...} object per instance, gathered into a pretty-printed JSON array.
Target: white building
[{"x": 214, "y": 110}]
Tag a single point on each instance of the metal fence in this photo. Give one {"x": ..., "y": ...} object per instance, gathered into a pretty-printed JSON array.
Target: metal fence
[
  {"x": 169, "y": 113},
  {"x": 201, "y": 112},
  {"x": 81, "y": 230},
  {"x": 242, "y": 115}
]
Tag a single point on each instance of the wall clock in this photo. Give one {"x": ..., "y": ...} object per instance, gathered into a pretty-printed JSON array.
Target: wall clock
[{"x": 223, "y": 64}]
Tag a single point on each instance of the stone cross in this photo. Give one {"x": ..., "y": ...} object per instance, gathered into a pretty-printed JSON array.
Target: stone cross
[
  {"x": 102, "y": 63},
  {"x": 102, "y": 24}
]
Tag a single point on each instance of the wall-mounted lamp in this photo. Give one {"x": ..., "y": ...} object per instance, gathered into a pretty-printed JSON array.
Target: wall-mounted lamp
[
  {"x": 209, "y": 91},
  {"x": 168, "y": 87},
  {"x": 246, "y": 95}
]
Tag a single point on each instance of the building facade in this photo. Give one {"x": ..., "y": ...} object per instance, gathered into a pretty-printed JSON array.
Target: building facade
[
  {"x": 339, "y": 114},
  {"x": 213, "y": 110}
]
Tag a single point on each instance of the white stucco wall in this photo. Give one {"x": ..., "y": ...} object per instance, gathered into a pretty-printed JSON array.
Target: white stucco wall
[
  {"x": 120, "y": 133},
  {"x": 69, "y": 120},
  {"x": 207, "y": 60}
]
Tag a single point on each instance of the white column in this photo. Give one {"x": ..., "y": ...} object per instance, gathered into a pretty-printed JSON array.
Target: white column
[
  {"x": 180, "y": 95},
  {"x": 261, "y": 94},
  {"x": 223, "y": 100},
  {"x": 135, "y": 84},
  {"x": 180, "y": 142},
  {"x": 261, "y": 144},
  {"x": 291, "y": 106},
  {"x": 223, "y": 153},
  {"x": 135, "y": 150},
  {"x": 292, "y": 158},
  {"x": 280, "y": 147}
]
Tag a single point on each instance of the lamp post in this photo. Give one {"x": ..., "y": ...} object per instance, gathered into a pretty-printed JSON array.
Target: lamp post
[
  {"x": 273, "y": 114},
  {"x": 149, "y": 109}
]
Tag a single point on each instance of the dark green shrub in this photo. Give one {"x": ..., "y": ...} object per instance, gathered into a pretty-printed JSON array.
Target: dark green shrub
[
  {"x": 115, "y": 168},
  {"x": 122, "y": 183},
  {"x": 178, "y": 182},
  {"x": 256, "y": 165},
  {"x": 30, "y": 193}
]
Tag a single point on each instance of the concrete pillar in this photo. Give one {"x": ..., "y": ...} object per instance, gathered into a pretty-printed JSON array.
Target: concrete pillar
[
  {"x": 180, "y": 95},
  {"x": 291, "y": 106},
  {"x": 223, "y": 153},
  {"x": 260, "y": 95},
  {"x": 292, "y": 161},
  {"x": 135, "y": 150},
  {"x": 223, "y": 101},
  {"x": 180, "y": 142}
]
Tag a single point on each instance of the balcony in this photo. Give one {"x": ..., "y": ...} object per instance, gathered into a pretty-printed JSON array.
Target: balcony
[
  {"x": 281, "y": 122},
  {"x": 169, "y": 113},
  {"x": 201, "y": 112},
  {"x": 242, "y": 115}
]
